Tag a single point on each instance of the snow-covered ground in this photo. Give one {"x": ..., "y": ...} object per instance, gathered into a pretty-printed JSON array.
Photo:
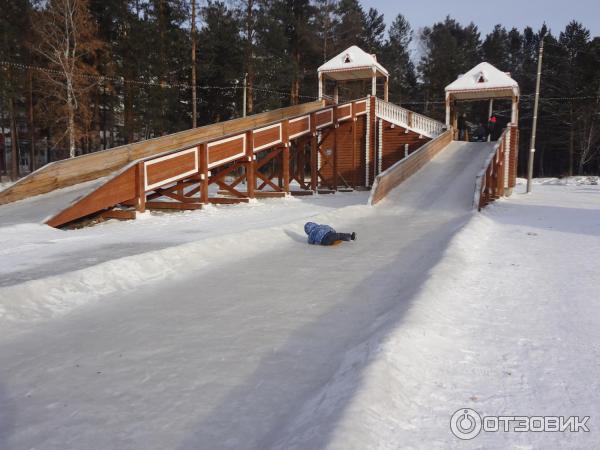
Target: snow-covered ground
[{"x": 223, "y": 329}]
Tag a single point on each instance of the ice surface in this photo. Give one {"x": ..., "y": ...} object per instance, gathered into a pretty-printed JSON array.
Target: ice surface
[{"x": 233, "y": 333}]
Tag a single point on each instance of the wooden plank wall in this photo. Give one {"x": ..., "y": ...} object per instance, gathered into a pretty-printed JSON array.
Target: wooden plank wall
[
  {"x": 394, "y": 140},
  {"x": 402, "y": 170},
  {"x": 88, "y": 167}
]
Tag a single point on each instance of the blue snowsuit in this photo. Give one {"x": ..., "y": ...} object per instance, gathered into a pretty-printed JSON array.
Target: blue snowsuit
[{"x": 316, "y": 232}]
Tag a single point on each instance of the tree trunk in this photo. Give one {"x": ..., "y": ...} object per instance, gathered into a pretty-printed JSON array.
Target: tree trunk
[
  {"x": 14, "y": 160},
  {"x": 295, "y": 94},
  {"x": 128, "y": 113},
  {"x": 103, "y": 113},
  {"x": 194, "y": 117},
  {"x": 32, "y": 162},
  {"x": 2, "y": 140},
  {"x": 71, "y": 126},
  {"x": 249, "y": 56},
  {"x": 571, "y": 144}
]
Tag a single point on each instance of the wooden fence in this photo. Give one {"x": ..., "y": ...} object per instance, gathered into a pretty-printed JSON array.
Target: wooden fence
[{"x": 405, "y": 168}]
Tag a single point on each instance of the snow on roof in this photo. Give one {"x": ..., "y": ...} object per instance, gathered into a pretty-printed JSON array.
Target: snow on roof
[
  {"x": 352, "y": 58},
  {"x": 484, "y": 76}
]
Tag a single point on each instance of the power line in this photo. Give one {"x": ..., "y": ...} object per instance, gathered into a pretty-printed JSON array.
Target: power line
[
  {"x": 167, "y": 85},
  {"x": 160, "y": 84}
]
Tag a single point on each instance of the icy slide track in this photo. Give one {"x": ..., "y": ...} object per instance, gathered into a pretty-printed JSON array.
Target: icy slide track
[{"x": 229, "y": 355}]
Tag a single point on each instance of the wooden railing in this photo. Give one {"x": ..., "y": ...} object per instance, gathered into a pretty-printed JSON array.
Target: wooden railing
[
  {"x": 405, "y": 168},
  {"x": 88, "y": 167},
  {"x": 154, "y": 172},
  {"x": 408, "y": 119},
  {"x": 490, "y": 182}
]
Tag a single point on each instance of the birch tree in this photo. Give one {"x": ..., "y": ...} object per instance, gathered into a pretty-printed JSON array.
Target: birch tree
[{"x": 66, "y": 39}]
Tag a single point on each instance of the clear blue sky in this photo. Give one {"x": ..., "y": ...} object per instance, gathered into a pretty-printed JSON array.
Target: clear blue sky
[{"x": 485, "y": 14}]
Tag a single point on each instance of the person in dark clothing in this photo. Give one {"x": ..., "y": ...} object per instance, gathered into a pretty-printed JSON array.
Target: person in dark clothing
[
  {"x": 462, "y": 127},
  {"x": 325, "y": 235},
  {"x": 491, "y": 127}
]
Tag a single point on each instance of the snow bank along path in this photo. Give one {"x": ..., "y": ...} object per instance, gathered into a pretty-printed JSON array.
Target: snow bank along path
[{"x": 270, "y": 345}]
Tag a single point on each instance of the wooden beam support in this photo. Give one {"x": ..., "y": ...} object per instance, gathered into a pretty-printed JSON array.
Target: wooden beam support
[
  {"x": 301, "y": 163},
  {"x": 313, "y": 153},
  {"x": 336, "y": 127},
  {"x": 173, "y": 206},
  {"x": 118, "y": 214},
  {"x": 267, "y": 181},
  {"x": 140, "y": 187},
  {"x": 285, "y": 155},
  {"x": 250, "y": 167},
  {"x": 228, "y": 200},
  {"x": 204, "y": 175},
  {"x": 260, "y": 194},
  {"x": 355, "y": 166}
]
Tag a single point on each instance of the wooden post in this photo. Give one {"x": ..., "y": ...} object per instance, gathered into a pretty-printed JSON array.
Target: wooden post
[
  {"x": 203, "y": 150},
  {"x": 313, "y": 153},
  {"x": 514, "y": 117},
  {"x": 336, "y": 127},
  {"x": 286, "y": 156},
  {"x": 448, "y": 110},
  {"x": 321, "y": 86},
  {"x": 490, "y": 112},
  {"x": 355, "y": 166},
  {"x": 374, "y": 83},
  {"x": 140, "y": 188},
  {"x": 371, "y": 143},
  {"x": 386, "y": 94},
  {"x": 250, "y": 165},
  {"x": 300, "y": 162},
  {"x": 502, "y": 167}
]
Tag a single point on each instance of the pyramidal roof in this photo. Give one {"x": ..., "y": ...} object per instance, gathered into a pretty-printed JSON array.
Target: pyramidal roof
[
  {"x": 484, "y": 76},
  {"x": 352, "y": 58}
]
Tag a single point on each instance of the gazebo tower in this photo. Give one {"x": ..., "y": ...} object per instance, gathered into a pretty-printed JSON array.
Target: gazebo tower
[{"x": 353, "y": 64}]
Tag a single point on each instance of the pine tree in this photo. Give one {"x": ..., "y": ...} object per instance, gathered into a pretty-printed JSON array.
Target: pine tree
[
  {"x": 396, "y": 58},
  {"x": 221, "y": 65},
  {"x": 449, "y": 50},
  {"x": 373, "y": 32}
]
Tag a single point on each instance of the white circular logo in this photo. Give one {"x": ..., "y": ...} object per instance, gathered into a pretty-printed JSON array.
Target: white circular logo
[{"x": 465, "y": 424}]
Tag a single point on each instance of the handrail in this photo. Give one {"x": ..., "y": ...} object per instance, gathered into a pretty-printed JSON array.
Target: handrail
[
  {"x": 68, "y": 172},
  {"x": 406, "y": 167},
  {"x": 125, "y": 170},
  {"x": 489, "y": 182},
  {"x": 408, "y": 119}
]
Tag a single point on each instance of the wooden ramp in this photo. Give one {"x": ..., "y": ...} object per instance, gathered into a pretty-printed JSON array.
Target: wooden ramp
[
  {"x": 61, "y": 174},
  {"x": 316, "y": 146},
  {"x": 240, "y": 152}
]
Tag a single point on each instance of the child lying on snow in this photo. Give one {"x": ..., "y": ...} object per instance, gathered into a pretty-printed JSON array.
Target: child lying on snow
[{"x": 325, "y": 235}]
